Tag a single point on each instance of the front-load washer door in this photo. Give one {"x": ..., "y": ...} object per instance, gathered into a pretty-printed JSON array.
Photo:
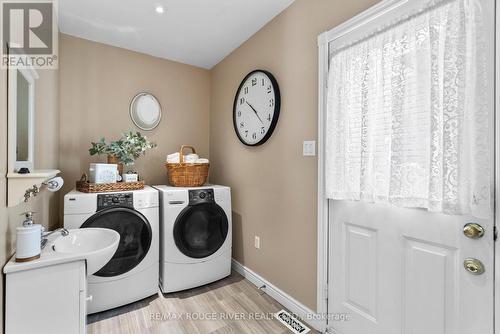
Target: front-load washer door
[
  {"x": 200, "y": 230},
  {"x": 135, "y": 238}
]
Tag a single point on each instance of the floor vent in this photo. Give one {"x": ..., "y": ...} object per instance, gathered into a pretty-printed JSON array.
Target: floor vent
[{"x": 291, "y": 322}]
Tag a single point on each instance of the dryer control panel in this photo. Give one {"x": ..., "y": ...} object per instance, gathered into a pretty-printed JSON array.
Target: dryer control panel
[
  {"x": 105, "y": 201},
  {"x": 200, "y": 196}
]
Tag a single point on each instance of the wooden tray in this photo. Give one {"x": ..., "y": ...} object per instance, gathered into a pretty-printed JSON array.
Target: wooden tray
[{"x": 85, "y": 186}]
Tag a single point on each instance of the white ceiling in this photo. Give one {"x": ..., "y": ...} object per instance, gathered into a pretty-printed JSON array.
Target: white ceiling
[{"x": 196, "y": 32}]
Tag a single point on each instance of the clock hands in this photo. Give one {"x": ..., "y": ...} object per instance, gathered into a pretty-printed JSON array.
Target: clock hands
[{"x": 255, "y": 111}]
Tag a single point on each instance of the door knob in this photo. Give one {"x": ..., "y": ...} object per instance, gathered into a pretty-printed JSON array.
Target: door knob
[
  {"x": 474, "y": 266},
  {"x": 473, "y": 231}
]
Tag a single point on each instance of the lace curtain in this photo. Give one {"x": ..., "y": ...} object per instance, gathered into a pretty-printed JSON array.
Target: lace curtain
[{"x": 407, "y": 117}]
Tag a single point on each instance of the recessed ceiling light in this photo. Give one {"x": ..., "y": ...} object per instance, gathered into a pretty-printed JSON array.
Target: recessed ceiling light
[{"x": 159, "y": 9}]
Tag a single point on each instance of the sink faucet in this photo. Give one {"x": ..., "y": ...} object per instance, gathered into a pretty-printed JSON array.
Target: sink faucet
[{"x": 64, "y": 232}]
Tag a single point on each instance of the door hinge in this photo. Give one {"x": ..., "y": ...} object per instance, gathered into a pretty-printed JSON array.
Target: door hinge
[{"x": 495, "y": 233}]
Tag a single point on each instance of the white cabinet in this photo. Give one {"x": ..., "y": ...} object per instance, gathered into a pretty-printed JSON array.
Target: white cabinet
[{"x": 47, "y": 300}]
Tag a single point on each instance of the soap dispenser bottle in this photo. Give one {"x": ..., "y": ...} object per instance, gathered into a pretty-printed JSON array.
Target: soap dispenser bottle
[{"x": 28, "y": 239}]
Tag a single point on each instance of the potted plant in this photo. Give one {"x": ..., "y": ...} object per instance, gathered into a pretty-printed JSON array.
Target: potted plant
[{"x": 123, "y": 151}]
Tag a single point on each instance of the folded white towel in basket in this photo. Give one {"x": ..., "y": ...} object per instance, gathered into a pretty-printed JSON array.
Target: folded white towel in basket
[
  {"x": 188, "y": 158},
  {"x": 173, "y": 158},
  {"x": 191, "y": 158}
]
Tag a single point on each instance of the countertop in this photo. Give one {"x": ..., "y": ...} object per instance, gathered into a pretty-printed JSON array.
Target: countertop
[{"x": 48, "y": 257}]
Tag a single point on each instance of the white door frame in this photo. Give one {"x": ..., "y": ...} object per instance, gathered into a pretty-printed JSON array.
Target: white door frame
[
  {"x": 323, "y": 213},
  {"x": 497, "y": 163}
]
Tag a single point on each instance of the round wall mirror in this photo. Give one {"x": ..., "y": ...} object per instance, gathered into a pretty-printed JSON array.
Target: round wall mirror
[{"x": 145, "y": 111}]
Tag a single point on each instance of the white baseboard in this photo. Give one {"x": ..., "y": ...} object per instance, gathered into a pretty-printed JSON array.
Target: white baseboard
[{"x": 303, "y": 312}]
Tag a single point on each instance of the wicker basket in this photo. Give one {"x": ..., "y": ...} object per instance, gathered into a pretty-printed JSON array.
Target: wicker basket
[
  {"x": 187, "y": 174},
  {"x": 85, "y": 186}
]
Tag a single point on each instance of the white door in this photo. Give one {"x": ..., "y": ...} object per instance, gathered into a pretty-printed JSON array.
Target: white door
[
  {"x": 398, "y": 270},
  {"x": 395, "y": 270}
]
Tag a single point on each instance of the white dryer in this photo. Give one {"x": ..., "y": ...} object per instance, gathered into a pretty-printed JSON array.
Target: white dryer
[
  {"x": 196, "y": 236},
  {"x": 132, "y": 274}
]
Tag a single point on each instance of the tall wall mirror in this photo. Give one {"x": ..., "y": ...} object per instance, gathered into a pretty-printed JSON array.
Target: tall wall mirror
[
  {"x": 21, "y": 174},
  {"x": 21, "y": 106}
]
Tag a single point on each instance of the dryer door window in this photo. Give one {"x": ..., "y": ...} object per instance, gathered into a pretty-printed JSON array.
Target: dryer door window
[
  {"x": 135, "y": 238},
  {"x": 200, "y": 230}
]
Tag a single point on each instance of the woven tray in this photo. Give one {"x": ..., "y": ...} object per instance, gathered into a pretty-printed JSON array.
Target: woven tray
[{"x": 85, "y": 186}]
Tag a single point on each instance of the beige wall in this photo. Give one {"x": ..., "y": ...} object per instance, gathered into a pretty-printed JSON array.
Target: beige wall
[
  {"x": 46, "y": 156},
  {"x": 97, "y": 83},
  {"x": 274, "y": 186}
]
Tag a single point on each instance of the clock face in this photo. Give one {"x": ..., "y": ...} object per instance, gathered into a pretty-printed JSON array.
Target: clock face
[{"x": 256, "y": 108}]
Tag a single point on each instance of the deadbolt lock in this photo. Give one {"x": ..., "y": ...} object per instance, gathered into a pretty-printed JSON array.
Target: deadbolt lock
[
  {"x": 473, "y": 231},
  {"x": 474, "y": 266}
]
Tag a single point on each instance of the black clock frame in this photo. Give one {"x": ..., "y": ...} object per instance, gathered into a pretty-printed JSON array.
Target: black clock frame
[{"x": 277, "y": 107}]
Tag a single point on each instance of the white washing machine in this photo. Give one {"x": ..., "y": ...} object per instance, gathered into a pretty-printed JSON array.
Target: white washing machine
[
  {"x": 132, "y": 273},
  {"x": 196, "y": 236}
]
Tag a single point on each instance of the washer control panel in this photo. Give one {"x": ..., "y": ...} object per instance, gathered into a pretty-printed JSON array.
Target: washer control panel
[
  {"x": 201, "y": 196},
  {"x": 105, "y": 201}
]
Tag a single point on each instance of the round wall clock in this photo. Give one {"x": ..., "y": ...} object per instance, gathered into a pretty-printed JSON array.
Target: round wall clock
[{"x": 256, "y": 108}]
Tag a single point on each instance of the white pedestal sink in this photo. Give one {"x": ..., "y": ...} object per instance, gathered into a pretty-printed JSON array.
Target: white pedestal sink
[
  {"x": 53, "y": 288},
  {"x": 96, "y": 245}
]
